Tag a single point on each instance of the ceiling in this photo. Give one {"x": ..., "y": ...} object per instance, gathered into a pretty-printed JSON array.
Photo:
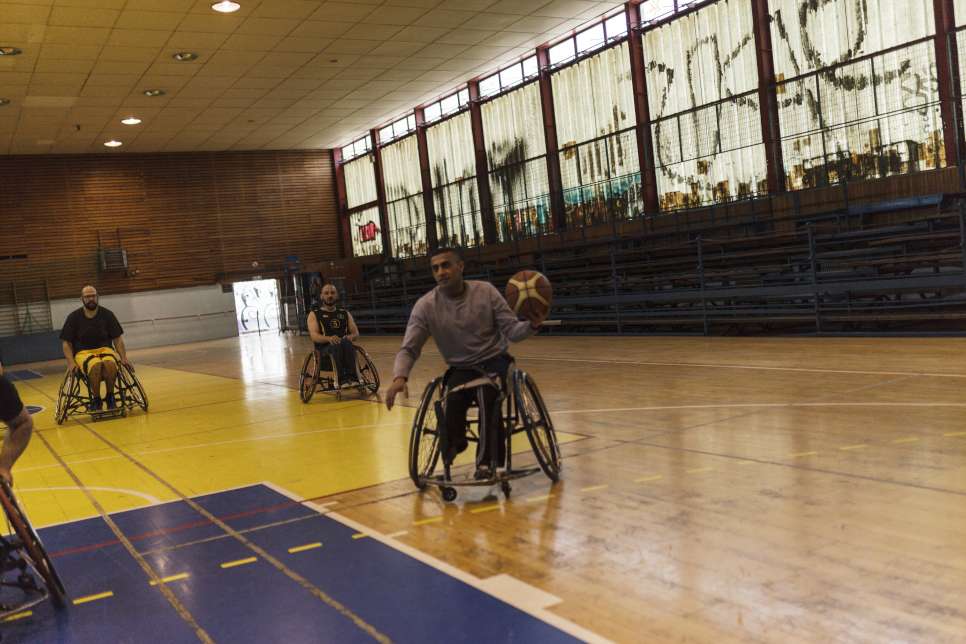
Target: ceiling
[{"x": 277, "y": 74}]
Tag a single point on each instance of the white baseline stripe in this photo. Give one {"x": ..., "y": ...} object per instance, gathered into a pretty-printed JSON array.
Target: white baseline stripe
[
  {"x": 557, "y": 412},
  {"x": 749, "y": 367},
  {"x": 542, "y": 614}
]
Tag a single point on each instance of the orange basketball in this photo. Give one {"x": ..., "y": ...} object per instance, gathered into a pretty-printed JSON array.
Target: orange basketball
[{"x": 529, "y": 293}]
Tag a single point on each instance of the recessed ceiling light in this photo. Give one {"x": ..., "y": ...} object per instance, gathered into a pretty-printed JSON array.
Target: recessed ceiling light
[
  {"x": 154, "y": 92},
  {"x": 113, "y": 144},
  {"x": 226, "y": 6},
  {"x": 4, "y": 101},
  {"x": 185, "y": 56},
  {"x": 10, "y": 51},
  {"x": 131, "y": 120}
]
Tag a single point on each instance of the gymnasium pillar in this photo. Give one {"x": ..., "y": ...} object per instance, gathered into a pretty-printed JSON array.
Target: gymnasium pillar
[
  {"x": 948, "y": 75},
  {"x": 642, "y": 109},
  {"x": 429, "y": 206},
  {"x": 558, "y": 223},
  {"x": 342, "y": 206},
  {"x": 487, "y": 216},
  {"x": 768, "y": 98},
  {"x": 381, "y": 193}
]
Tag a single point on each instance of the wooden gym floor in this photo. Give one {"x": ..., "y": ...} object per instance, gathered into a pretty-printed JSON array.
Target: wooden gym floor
[{"x": 713, "y": 490}]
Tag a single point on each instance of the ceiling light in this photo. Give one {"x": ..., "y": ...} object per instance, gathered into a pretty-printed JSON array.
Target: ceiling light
[
  {"x": 10, "y": 51},
  {"x": 113, "y": 144},
  {"x": 131, "y": 120},
  {"x": 226, "y": 6},
  {"x": 154, "y": 92},
  {"x": 4, "y": 101},
  {"x": 185, "y": 56}
]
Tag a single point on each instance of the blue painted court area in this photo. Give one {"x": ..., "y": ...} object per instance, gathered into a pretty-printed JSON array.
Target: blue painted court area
[
  {"x": 22, "y": 374},
  {"x": 366, "y": 586}
]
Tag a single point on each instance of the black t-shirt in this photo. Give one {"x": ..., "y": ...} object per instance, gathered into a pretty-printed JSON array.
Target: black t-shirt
[
  {"x": 85, "y": 333},
  {"x": 333, "y": 322},
  {"x": 10, "y": 405}
]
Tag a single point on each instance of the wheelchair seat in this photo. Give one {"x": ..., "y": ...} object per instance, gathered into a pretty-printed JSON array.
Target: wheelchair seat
[
  {"x": 74, "y": 395},
  {"x": 523, "y": 411}
]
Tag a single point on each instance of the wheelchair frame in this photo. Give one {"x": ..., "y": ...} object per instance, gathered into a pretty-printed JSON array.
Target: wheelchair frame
[
  {"x": 312, "y": 380},
  {"x": 523, "y": 410},
  {"x": 22, "y": 552},
  {"x": 127, "y": 389}
]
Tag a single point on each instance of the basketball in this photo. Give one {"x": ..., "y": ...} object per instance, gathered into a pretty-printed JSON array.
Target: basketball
[{"x": 529, "y": 293}]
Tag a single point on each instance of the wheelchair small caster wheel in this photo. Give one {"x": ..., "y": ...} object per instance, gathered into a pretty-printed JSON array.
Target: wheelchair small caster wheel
[
  {"x": 449, "y": 494},
  {"x": 505, "y": 486}
]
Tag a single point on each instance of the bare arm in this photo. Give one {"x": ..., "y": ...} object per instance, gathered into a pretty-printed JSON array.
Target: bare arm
[
  {"x": 68, "y": 354},
  {"x": 315, "y": 331},
  {"x": 16, "y": 442},
  {"x": 353, "y": 329},
  {"x": 121, "y": 349}
]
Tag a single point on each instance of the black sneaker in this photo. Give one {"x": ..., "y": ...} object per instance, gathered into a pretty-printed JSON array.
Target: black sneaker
[
  {"x": 94, "y": 405},
  {"x": 483, "y": 473},
  {"x": 111, "y": 402}
]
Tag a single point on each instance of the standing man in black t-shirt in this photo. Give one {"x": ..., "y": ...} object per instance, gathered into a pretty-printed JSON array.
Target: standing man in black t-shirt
[
  {"x": 93, "y": 344},
  {"x": 332, "y": 330},
  {"x": 21, "y": 426}
]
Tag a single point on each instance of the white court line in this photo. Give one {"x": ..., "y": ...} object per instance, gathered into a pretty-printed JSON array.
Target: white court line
[
  {"x": 750, "y": 367},
  {"x": 556, "y": 412},
  {"x": 533, "y": 608},
  {"x": 153, "y": 500}
]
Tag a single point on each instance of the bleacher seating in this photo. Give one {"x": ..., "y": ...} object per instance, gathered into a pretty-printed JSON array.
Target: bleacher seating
[{"x": 889, "y": 266}]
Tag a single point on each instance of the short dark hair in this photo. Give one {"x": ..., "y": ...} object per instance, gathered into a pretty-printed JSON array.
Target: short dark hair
[{"x": 456, "y": 250}]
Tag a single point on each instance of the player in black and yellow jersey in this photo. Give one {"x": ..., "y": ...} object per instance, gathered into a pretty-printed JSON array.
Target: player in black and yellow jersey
[{"x": 333, "y": 331}]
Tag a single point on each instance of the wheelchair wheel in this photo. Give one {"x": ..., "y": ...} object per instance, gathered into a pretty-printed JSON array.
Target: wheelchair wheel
[
  {"x": 64, "y": 396},
  {"x": 424, "y": 439},
  {"x": 368, "y": 375},
  {"x": 309, "y": 376},
  {"x": 33, "y": 549},
  {"x": 539, "y": 427},
  {"x": 132, "y": 386}
]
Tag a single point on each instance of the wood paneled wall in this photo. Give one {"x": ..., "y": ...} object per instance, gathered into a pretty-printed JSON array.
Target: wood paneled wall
[{"x": 185, "y": 219}]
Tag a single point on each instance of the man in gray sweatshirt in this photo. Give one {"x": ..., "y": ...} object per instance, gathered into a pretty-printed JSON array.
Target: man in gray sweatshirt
[{"x": 472, "y": 326}]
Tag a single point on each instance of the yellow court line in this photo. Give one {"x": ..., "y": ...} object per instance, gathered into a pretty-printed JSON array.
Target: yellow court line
[
  {"x": 303, "y": 548},
  {"x": 165, "y": 580},
  {"x": 951, "y": 434},
  {"x": 488, "y": 508},
  {"x": 92, "y": 598},
  {"x": 429, "y": 520},
  {"x": 743, "y": 463},
  {"x": 802, "y": 454},
  {"x": 360, "y": 535},
  {"x": 15, "y": 616},
  {"x": 593, "y": 487},
  {"x": 543, "y": 497},
  {"x": 239, "y": 562},
  {"x": 859, "y": 446},
  {"x": 645, "y": 479},
  {"x": 699, "y": 470},
  {"x": 901, "y": 441}
]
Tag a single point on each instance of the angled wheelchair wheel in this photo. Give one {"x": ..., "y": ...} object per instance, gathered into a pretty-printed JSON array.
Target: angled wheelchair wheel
[
  {"x": 32, "y": 548},
  {"x": 309, "y": 376},
  {"x": 69, "y": 399},
  {"x": 424, "y": 439},
  {"x": 539, "y": 427},
  {"x": 368, "y": 375},
  {"x": 132, "y": 389}
]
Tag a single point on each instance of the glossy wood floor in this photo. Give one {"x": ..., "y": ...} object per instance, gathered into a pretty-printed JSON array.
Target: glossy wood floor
[{"x": 714, "y": 490}]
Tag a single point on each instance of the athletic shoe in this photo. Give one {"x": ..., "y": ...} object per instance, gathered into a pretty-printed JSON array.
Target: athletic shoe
[
  {"x": 94, "y": 405},
  {"x": 483, "y": 473},
  {"x": 111, "y": 402}
]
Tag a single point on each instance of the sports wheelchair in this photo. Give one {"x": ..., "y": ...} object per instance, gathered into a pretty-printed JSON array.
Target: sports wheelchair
[
  {"x": 319, "y": 374},
  {"x": 25, "y": 566},
  {"x": 523, "y": 410},
  {"x": 74, "y": 396}
]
